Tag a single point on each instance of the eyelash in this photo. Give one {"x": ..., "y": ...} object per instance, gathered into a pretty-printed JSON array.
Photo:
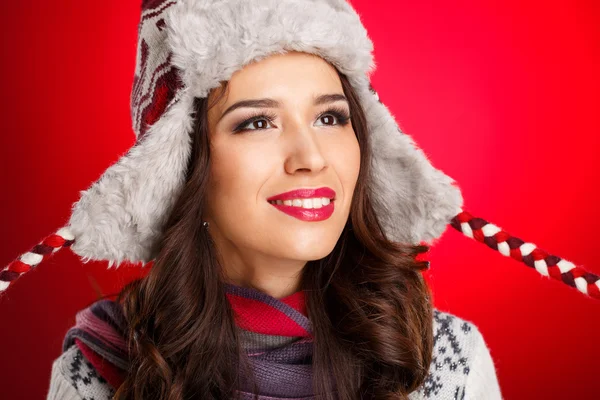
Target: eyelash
[{"x": 338, "y": 113}]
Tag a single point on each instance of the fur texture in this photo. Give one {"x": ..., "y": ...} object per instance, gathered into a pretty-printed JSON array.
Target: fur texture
[{"x": 120, "y": 217}]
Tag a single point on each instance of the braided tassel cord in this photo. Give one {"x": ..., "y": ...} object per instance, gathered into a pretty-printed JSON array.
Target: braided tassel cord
[
  {"x": 31, "y": 259},
  {"x": 476, "y": 228},
  {"x": 528, "y": 253}
]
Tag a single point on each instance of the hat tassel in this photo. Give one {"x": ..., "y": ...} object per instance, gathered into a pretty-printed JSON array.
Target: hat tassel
[
  {"x": 545, "y": 263},
  {"x": 28, "y": 261}
]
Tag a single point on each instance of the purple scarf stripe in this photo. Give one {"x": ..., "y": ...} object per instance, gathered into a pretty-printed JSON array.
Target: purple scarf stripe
[
  {"x": 281, "y": 365},
  {"x": 100, "y": 327},
  {"x": 111, "y": 313},
  {"x": 250, "y": 396}
]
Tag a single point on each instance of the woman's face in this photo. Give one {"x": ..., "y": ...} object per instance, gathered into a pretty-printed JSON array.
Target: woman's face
[{"x": 298, "y": 143}]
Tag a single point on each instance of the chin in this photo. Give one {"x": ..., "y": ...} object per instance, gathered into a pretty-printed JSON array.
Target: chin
[{"x": 310, "y": 250}]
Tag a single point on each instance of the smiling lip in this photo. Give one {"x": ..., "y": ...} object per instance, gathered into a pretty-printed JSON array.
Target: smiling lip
[
  {"x": 305, "y": 194},
  {"x": 306, "y": 214}
]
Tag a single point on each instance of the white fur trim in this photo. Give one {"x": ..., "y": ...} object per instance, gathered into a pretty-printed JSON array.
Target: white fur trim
[
  {"x": 211, "y": 40},
  {"x": 413, "y": 201},
  {"x": 121, "y": 216}
]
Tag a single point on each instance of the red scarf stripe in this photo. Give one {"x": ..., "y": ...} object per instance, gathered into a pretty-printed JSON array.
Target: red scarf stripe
[
  {"x": 297, "y": 301},
  {"x": 256, "y": 316},
  {"x": 113, "y": 375}
]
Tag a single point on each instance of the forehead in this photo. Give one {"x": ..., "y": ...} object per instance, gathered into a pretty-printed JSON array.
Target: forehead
[{"x": 289, "y": 77}]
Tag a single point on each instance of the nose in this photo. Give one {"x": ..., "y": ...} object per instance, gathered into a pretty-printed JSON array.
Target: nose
[{"x": 304, "y": 151}]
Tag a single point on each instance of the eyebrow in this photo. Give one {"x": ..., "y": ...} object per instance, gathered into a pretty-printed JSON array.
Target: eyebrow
[{"x": 270, "y": 103}]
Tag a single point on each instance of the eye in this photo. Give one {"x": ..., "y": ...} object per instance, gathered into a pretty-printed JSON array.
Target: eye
[
  {"x": 255, "y": 123},
  {"x": 264, "y": 120},
  {"x": 329, "y": 118},
  {"x": 335, "y": 116}
]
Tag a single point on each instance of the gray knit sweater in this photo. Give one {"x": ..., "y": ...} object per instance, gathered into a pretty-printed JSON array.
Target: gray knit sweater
[{"x": 461, "y": 368}]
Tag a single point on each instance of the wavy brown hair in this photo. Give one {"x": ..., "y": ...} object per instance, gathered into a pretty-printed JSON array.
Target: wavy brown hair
[{"x": 370, "y": 308}]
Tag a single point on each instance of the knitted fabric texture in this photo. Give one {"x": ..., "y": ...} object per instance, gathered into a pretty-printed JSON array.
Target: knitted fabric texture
[
  {"x": 462, "y": 367},
  {"x": 275, "y": 333}
]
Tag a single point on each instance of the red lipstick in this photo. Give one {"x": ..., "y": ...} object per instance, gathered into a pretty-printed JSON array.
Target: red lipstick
[{"x": 306, "y": 214}]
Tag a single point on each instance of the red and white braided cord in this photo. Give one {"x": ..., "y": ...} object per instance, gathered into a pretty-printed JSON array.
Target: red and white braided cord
[
  {"x": 29, "y": 260},
  {"x": 476, "y": 228},
  {"x": 546, "y": 264}
]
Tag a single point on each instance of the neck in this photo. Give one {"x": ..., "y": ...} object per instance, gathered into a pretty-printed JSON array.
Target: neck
[
  {"x": 274, "y": 276},
  {"x": 275, "y": 286}
]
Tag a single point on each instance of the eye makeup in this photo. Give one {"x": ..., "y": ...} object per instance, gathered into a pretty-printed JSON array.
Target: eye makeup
[
  {"x": 258, "y": 115},
  {"x": 339, "y": 113}
]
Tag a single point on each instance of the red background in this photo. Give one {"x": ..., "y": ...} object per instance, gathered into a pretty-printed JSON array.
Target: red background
[{"x": 502, "y": 96}]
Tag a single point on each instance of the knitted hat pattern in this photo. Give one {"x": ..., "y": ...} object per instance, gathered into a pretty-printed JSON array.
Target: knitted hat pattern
[{"x": 185, "y": 49}]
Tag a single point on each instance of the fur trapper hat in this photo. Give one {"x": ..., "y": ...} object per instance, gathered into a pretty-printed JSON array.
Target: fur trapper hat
[{"x": 185, "y": 49}]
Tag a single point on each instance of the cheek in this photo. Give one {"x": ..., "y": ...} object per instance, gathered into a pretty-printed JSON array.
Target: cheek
[
  {"x": 346, "y": 162},
  {"x": 237, "y": 172}
]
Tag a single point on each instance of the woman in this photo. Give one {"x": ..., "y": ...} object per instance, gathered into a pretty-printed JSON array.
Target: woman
[
  {"x": 271, "y": 251},
  {"x": 283, "y": 209}
]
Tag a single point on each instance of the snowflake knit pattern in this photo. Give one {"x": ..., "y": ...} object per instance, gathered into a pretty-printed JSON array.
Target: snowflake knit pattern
[{"x": 461, "y": 368}]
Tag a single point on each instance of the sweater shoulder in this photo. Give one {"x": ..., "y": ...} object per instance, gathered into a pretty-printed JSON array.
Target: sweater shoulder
[
  {"x": 73, "y": 377},
  {"x": 461, "y": 362}
]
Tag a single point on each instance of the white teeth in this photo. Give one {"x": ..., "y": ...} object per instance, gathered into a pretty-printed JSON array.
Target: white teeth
[{"x": 316, "y": 202}]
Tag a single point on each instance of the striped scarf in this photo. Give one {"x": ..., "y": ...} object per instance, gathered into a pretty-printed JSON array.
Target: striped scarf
[{"x": 276, "y": 334}]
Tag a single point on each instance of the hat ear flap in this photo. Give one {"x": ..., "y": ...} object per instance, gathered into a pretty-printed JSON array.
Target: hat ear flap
[
  {"x": 413, "y": 200},
  {"x": 120, "y": 217}
]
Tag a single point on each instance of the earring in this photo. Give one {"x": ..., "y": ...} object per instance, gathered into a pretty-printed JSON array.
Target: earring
[{"x": 205, "y": 224}]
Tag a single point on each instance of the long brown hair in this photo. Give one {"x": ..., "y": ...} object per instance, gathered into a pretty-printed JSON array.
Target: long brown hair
[{"x": 368, "y": 303}]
